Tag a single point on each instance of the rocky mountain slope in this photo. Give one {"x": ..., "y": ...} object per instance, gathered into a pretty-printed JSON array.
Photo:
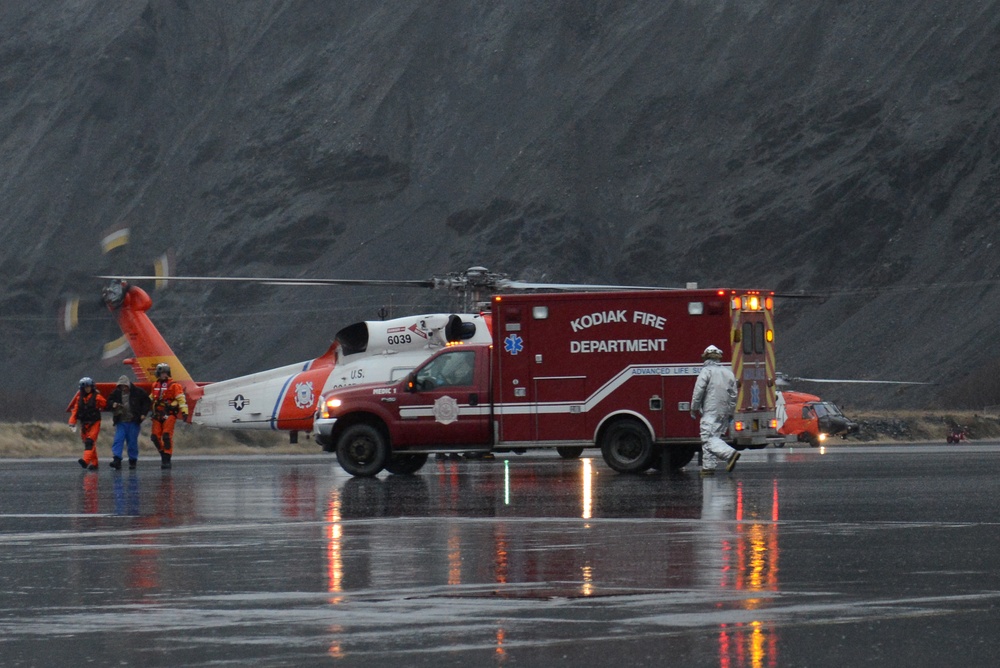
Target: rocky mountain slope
[{"x": 845, "y": 148}]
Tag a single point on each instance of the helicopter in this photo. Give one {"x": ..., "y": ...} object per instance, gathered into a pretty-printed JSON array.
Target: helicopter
[
  {"x": 284, "y": 398},
  {"x": 807, "y": 418}
]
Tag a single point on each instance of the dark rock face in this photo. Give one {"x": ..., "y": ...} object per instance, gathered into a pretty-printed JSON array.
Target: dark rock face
[{"x": 834, "y": 147}]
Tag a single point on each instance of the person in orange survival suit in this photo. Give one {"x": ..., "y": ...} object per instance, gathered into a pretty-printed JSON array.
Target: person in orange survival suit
[
  {"x": 87, "y": 408},
  {"x": 168, "y": 402}
]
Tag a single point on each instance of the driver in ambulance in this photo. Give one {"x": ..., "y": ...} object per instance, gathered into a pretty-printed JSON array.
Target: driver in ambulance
[{"x": 715, "y": 398}]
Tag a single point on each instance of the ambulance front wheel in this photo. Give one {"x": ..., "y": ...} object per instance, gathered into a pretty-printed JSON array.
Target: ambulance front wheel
[
  {"x": 627, "y": 447},
  {"x": 362, "y": 450},
  {"x": 569, "y": 451}
]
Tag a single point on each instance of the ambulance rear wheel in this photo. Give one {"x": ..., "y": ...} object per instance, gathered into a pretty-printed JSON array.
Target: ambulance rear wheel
[
  {"x": 362, "y": 450},
  {"x": 627, "y": 447},
  {"x": 680, "y": 457},
  {"x": 401, "y": 464},
  {"x": 569, "y": 451}
]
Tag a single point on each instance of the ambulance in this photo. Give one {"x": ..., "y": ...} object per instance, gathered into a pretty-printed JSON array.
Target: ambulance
[{"x": 612, "y": 370}]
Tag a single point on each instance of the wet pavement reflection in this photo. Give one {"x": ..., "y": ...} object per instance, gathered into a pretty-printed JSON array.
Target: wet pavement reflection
[{"x": 842, "y": 557}]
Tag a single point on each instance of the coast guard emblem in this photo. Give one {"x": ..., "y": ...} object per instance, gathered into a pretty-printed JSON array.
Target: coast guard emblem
[{"x": 304, "y": 396}]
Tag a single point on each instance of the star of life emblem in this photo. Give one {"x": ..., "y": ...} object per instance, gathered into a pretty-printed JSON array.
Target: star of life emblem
[
  {"x": 304, "y": 396},
  {"x": 513, "y": 344},
  {"x": 445, "y": 410}
]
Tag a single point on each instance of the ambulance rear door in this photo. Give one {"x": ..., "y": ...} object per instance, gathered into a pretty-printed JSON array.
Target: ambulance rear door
[{"x": 753, "y": 365}]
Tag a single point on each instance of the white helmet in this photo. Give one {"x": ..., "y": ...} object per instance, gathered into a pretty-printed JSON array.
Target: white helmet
[{"x": 712, "y": 352}]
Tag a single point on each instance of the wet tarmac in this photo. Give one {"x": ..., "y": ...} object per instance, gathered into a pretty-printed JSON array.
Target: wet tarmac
[{"x": 850, "y": 556}]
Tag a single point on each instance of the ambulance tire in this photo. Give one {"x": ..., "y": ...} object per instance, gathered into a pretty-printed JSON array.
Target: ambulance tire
[
  {"x": 362, "y": 450},
  {"x": 401, "y": 464},
  {"x": 679, "y": 457},
  {"x": 570, "y": 451},
  {"x": 627, "y": 447}
]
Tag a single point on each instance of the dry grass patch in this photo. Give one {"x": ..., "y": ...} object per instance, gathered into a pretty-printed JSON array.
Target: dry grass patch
[{"x": 54, "y": 439}]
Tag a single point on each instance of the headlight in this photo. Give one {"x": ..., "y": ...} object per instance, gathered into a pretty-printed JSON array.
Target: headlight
[{"x": 329, "y": 405}]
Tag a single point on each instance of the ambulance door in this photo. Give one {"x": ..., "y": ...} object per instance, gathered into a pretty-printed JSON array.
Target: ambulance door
[
  {"x": 448, "y": 405},
  {"x": 514, "y": 410},
  {"x": 754, "y": 376},
  {"x": 559, "y": 412},
  {"x": 753, "y": 359}
]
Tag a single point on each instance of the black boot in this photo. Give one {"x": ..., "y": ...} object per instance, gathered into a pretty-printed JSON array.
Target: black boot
[
  {"x": 132, "y": 463},
  {"x": 82, "y": 463},
  {"x": 164, "y": 460},
  {"x": 116, "y": 463}
]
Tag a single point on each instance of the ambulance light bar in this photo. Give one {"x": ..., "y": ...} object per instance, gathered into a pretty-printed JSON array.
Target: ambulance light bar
[{"x": 752, "y": 301}]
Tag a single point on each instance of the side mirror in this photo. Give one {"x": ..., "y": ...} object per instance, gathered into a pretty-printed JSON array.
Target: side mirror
[{"x": 411, "y": 382}]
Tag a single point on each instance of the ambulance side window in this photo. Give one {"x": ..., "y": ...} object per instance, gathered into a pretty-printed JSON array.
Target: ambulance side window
[{"x": 448, "y": 370}]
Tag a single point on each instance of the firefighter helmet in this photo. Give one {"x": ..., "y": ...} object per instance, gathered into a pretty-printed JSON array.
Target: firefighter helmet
[
  {"x": 86, "y": 381},
  {"x": 712, "y": 353},
  {"x": 162, "y": 367}
]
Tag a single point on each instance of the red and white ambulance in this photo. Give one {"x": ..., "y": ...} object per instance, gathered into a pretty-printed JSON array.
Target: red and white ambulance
[{"x": 614, "y": 370}]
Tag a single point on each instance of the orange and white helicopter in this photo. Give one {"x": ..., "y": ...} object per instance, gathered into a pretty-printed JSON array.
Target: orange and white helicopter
[
  {"x": 285, "y": 398},
  {"x": 807, "y": 418}
]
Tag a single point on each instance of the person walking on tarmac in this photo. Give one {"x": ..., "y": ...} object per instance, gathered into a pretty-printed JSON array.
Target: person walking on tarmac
[
  {"x": 86, "y": 414},
  {"x": 715, "y": 398},
  {"x": 129, "y": 405},
  {"x": 168, "y": 402}
]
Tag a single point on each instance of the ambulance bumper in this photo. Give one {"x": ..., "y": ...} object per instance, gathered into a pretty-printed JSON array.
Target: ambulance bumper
[
  {"x": 754, "y": 430},
  {"x": 322, "y": 432}
]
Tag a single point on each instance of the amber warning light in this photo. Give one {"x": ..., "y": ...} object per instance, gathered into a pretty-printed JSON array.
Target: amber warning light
[{"x": 752, "y": 302}]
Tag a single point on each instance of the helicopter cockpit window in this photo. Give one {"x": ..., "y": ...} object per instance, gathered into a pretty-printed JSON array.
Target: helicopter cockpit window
[
  {"x": 454, "y": 369},
  {"x": 825, "y": 409}
]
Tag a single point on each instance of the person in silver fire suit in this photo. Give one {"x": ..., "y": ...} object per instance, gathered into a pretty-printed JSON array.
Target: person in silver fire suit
[{"x": 715, "y": 398}]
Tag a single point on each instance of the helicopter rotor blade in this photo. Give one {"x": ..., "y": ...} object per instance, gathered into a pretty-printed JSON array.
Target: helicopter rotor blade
[
  {"x": 282, "y": 281},
  {"x": 475, "y": 280},
  {"x": 525, "y": 285},
  {"x": 843, "y": 380}
]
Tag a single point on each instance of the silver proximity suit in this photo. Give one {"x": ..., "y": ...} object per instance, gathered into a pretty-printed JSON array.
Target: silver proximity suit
[{"x": 715, "y": 397}]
